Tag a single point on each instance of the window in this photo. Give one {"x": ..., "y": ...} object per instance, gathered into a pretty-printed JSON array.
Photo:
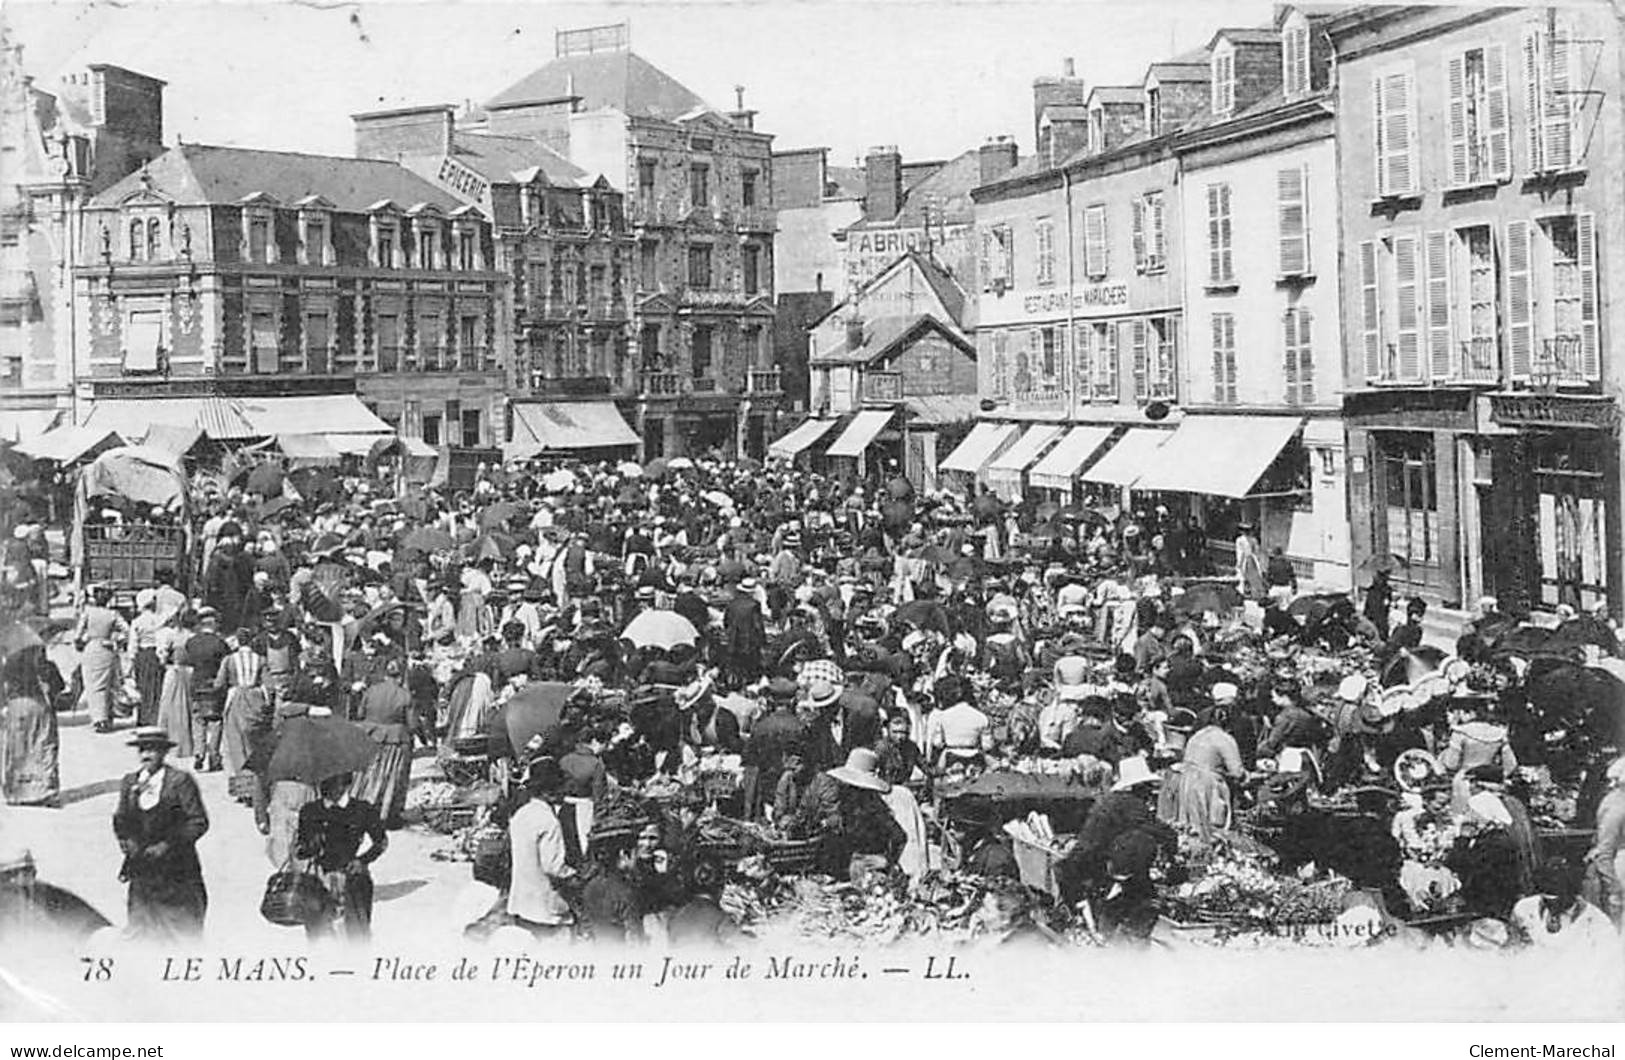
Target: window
[
  {"x": 597, "y": 285},
  {"x": 1094, "y": 241},
  {"x": 750, "y": 257},
  {"x": 1298, "y": 351},
  {"x": 385, "y": 254},
  {"x": 431, "y": 428},
  {"x": 646, "y": 183},
  {"x": 469, "y": 346},
  {"x": 1479, "y": 136},
  {"x": 699, "y": 267},
  {"x": 263, "y": 342},
  {"x": 1224, "y": 358},
  {"x": 316, "y": 343},
  {"x": 154, "y": 251},
  {"x": 648, "y": 273},
  {"x": 428, "y": 247},
  {"x": 700, "y": 350},
  {"x": 1164, "y": 335},
  {"x": 1150, "y": 237},
  {"x": 649, "y": 347},
  {"x": 388, "y": 337},
  {"x": 1220, "y": 261},
  {"x": 431, "y": 340},
  {"x": 1049, "y": 363},
  {"x": 1371, "y": 309},
  {"x": 470, "y": 422},
  {"x": 747, "y": 187},
  {"x": 1104, "y": 384},
  {"x": 1295, "y": 57},
  {"x": 699, "y": 186},
  {"x": 1390, "y": 314},
  {"x": 1551, "y": 99},
  {"x": 1153, "y": 111},
  {"x": 1140, "y": 357},
  {"x": 1565, "y": 290},
  {"x": 997, "y": 253},
  {"x": 468, "y": 251},
  {"x": 1082, "y": 381},
  {"x": 1292, "y": 220},
  {"x": 138, "y": 240},
  {"x": 143, "y": 341},
  {"x": 1394, "y": 122},
  {"x": 1044, "y": 251},
  {"x": 1476, "y": 304},
  {"x": 1224, "y": 79},
  {"x": 314, "y": 233},
  {"x": 1440, "y": 330}
]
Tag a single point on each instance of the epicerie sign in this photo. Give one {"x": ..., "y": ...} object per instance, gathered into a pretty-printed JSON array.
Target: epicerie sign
[{"x": 461, "y": 179}]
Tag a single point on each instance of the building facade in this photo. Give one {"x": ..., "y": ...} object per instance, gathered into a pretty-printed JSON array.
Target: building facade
[
  {"x": 699, "y": 203},
  {"x": 301, "y": 271},
  {"x": 65, "y": 145},
  {"x": 1481, "y": 172}
]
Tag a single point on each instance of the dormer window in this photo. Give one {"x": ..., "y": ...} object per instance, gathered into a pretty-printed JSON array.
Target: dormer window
[
  {"x": 468, "y": 250},
  {"x": 1153, "y": 110},
  {"x": 1224, "y": 79},
  {"x": 146, "y": 239},
  {"x": 428, "y": 246},
  {"x": 258, "y": 237},
  {"x": 1295, "y": 56},
  {"x": 315, "y": 249},
  {"x": 1097, "y": 129}
]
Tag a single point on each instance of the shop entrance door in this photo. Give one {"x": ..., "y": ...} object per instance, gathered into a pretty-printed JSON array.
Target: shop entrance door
[
  {"x": 1571, "y": 526},
  {"x": 1410, "y": 508}
]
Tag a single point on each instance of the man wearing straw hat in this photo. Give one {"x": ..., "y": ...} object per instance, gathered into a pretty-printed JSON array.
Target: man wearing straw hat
[{"x": 160, "y": 818}]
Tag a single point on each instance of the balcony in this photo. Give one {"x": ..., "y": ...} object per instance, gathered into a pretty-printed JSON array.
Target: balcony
[
  {"x": 433, "y": 359},
  {"x": 1479, "y": 360},
  {"x": 571, "y": 386},
  {"x": 756, "y": 218},
  {"x": 703, "y": 385},
  {"x": 662, "y": 384},
  {"x": 1559, "y": 361},
  {"x": 475, "y": 359},
  {"x": 763, "y": 381},
  {"x": 882, "y": 387}
]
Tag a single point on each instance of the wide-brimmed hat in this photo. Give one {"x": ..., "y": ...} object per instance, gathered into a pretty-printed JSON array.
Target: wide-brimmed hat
[
  {"x": 822, "y": 693},
  {"x": 693, "y": 692},
  {"x": 1224, "y": 694},
  {"x": 747, "y": 585},
  {"x": 1352, "y": 688},
  {"x": 150, "y": 736},
  {"x": 861, "y": 771},
  {"x": 1132, "y": 772}
]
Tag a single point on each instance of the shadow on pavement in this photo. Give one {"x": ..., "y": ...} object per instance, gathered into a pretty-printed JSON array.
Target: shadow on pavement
[
  {"x": 88, "y": 791},
  {"x": 385, "y": 892}
]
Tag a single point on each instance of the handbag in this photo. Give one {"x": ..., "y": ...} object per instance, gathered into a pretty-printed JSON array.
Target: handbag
[{"x": 294, "y": 897}]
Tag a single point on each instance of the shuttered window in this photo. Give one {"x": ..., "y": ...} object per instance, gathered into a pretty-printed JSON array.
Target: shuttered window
[
  {"x": 1441, "y": 344},
  {"x": 1044, "y": 251},
  {"x": 1094, "y": 241},
  {"x": 1156, "y": 236},
  {"x": 1520, "y": 301},
  {"x": 1407, "y": 315},
  {"x": 1083, "y": 372},
  {"x": 1394, "y": 111},
  {"x": 1295, "y": 58},
  {"x": 1476, "y": 83},
  {"x": 262, "y": 335},
  {"x": 1140, "y": 344},
  {"x": 1292, "y": 213},
  {"x": 1137, "y": 208},
  {"x": 1551, "y": 104},
  {"x": 1223, "y": 330},
  {"x": 1106, "y": 347},
  {"x": 1370, "y": 311},
  {"x": 1221, "y": 261},
  {"x": 1298, "y": 356}
]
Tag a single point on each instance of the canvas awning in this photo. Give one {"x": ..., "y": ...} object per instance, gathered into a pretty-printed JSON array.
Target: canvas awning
[
  {"x": 860, "y": 433},
  {"x": 69, "y": 443},
  {"x": 978, "y": 447},
  {"x": 364, "y": 445},
  {"x": 564, "y": 425},
  {"x": 307, "y": 450},
  {"x": 1008, "y": 465},
  {"x": 798, "y": 440},
  {"x": 1128, "y": 459},
  {"x": 324, "y": 413},
  {"x": 1222, "y": 456},
  {"x": 17, "y": 424},
  {"x": 172, "y": 438},
  {"x": 220, "y": 418},
  {"x": 418, "y": 449},
  {"x": 1055, "y": 471}
]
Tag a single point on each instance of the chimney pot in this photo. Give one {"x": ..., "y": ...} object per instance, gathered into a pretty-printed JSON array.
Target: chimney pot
[{"x": 1068, "y": 67}]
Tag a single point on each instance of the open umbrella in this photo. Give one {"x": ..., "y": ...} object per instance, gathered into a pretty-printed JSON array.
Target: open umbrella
[
  {"x": 537, "y": 710},
  {"x": 497, "y": 514},
  {"x": 720, "y": 499},
  {"x": 16, "y": 636},
  {"x": 1585, "y": 630},
  {"x": 276, "y": 506},
  {"x": 926, "y": 614},
  {"x": 559, "y": 481},
  {"x": 655, "y": 468},
  {"x": 660, "y": 629},
  {"x": 680, "y": 463},
  {"x": 265, "y": 480},
  {"x": 629, "y": 469},
  {"x": 427, "y": 539},
  {"x": 1311, "y": 608},
  {"x": 492, "y": 545},
  {"x": 629, "y": 496},
  {"x": 310, "y": 750},
  {"x": 1199, "y": 599}
]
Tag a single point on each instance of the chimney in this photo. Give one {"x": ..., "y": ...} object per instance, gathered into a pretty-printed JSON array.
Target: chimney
[
  {"x": 996, "y": 158},
  {"x": 411, "y": 132},
  {"x": 1069, "y": 88},
  {"x": 741, "y": 117},
  {"x": 883, "y": 183}
]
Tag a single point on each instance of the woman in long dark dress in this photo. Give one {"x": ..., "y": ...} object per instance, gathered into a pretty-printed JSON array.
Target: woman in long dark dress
[{"x": 160, "y": 818}]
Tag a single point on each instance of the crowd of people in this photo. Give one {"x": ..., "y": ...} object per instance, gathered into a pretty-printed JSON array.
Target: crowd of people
[{"x": 818, "y": 662}]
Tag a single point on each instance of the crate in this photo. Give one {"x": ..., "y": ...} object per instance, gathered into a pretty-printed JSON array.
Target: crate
[{"x": 1036, "y": 864}]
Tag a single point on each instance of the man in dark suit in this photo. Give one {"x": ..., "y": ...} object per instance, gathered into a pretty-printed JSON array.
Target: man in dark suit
[
  {"x": 160, "y": 818},
  {"x": 744, "y": 633}
]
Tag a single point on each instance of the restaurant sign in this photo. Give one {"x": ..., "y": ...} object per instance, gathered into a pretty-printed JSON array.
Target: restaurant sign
[{"x": 1094, "y": 300}]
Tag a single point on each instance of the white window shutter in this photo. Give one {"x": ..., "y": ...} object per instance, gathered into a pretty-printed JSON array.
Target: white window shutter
[
  {"x": 1407, "y": 326},
  {"x": 1289, "y": 354},
  {"x": 1138, "y": 205},
  {"x": 1456, "y": 86},
  {"x": 1215, "y": 257},
  {"x": 1292, "y": 221},
  {"x": 1142, "y": 359},
  {"x": 1497, "y": 116},
  {"x": 1399, "y": 115},
  {"x": 1534, "y": 96},
  {"x": 1306, "y": 358},
  {"x": 1218, "y": 357},
  {"x": 1520, "y": 301},
  {"x": 1158, "y": 252},
  {"x": 1558, "y": 120},
  {"x": 1585, "y": 230},
  {"x": 1439, "y": 331},
  {"x": 1379, "y": 127},
  {"x": 1370, "y": 311}
]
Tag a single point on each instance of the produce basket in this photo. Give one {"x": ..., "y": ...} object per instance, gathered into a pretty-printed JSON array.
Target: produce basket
[{"x": 1036, "y": 863}]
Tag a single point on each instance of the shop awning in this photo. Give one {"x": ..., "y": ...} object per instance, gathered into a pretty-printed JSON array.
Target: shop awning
[
  {"x": 307, "y": 450},
  {"x": 363, "y": 445},
  {"x": 1128, "y": 459},
  {"x": 978, "y": 447},
  {"x": 792, "y": 444},
  {"x": 172, "y": 438},
  {"x": 540, "y": 426},
  {"x": 220, "y": 418},
  {"x": 17, "y": 424},
  {"x": 1008, "y": 465},
  {"x": 1222, "y": 456},
  {"x": 860, "y": 433},
  {"x": 1055, "y": 471},
  {"x": 68, "y": 443},
  {"x": 324, "y": 413},
  {"x": 418, "y": 448}
]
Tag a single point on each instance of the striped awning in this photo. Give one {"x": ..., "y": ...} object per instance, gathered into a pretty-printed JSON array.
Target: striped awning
[
  {"x": 1008, "y": 465},
  {"x": 1055, "y": 471},
  {"x": 1127, "y": 460},
  {"x": 798, "y": 440},
  {"x": 860, "y": 433},
  {"x": 978, "y": 447}
]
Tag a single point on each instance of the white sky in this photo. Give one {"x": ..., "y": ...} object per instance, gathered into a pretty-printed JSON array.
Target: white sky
[{"x": 934, "y": 78}]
